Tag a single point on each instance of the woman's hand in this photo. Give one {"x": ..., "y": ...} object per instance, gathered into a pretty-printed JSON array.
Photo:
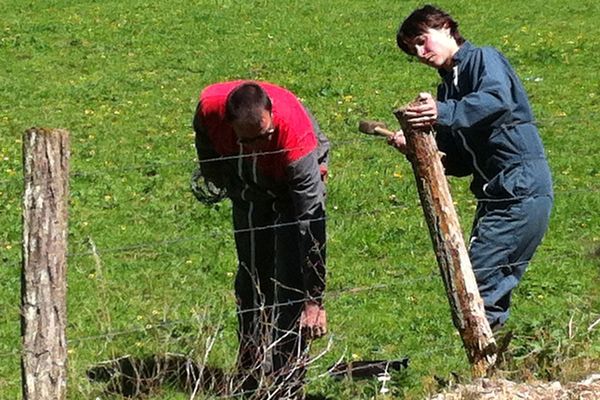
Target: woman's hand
[
  {"x": 398, "y": 141},
  {"x": 423, "y": 113}
]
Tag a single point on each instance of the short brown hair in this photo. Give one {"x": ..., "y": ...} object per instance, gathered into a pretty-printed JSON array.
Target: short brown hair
[
  {"x": 422, "y": 19},
  {"x": 246, "y": 103}
]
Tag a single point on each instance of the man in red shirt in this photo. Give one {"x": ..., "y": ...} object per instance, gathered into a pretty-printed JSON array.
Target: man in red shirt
[{"x": 259, "y": 143}]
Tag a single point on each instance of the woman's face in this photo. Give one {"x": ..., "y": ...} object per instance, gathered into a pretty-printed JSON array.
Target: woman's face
[{"x": 435, "y": 48}]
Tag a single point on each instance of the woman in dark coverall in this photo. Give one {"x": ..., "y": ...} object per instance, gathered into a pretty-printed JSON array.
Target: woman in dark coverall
[{"x": 485, "y": 127}]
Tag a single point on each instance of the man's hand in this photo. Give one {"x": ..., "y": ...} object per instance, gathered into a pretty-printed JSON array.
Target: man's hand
[
  {"x": 313, "y": 320},
  {"x": 324, "y": 171},
  {"x": 422, "y": 113},
  {"x": 212, "y": 172}
]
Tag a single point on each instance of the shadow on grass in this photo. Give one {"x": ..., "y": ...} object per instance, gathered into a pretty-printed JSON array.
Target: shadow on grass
[{"x": 137, "y": 377}]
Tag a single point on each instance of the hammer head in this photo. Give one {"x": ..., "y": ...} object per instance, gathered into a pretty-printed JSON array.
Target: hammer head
[{"x": 368, "y": 127}]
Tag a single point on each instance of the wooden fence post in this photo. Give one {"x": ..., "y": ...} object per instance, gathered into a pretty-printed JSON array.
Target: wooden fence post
[
  {"x": 43, "y": 277},
  {"x": 468, "y": 313}
]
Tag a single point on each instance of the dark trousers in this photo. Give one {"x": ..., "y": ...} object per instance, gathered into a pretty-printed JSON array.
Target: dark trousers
[
  {"x": 504, "y": 238},
  {"x": 269, "y": 290}
]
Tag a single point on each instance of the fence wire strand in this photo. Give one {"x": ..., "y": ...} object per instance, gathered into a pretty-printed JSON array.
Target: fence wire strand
[
  {"x": 330, "y": 295},
  {"x": 332, "y": 215},
  {"x": 168, "y": 163}
]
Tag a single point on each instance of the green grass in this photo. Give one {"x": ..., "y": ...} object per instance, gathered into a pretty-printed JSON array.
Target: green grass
[{"x": 123, "y": 77}]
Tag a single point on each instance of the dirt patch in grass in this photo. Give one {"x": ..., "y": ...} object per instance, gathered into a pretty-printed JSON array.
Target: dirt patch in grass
[{"x": 501, "y": 389}]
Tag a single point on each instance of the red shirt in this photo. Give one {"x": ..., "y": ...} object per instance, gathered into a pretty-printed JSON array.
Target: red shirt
[{"x": 294, "y": 135}]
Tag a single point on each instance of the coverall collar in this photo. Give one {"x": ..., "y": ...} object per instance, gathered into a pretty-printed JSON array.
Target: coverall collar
[{"x": 460, "y": 55}]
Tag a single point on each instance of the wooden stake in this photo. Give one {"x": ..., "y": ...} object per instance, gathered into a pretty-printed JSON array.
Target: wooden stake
[
  {"x": 43, "y": 278},
  {"x": 468, "y": 313}
]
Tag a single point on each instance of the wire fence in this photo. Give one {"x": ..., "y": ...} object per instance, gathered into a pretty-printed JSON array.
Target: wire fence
[
  {"x": 330, "y": 294},
  {"x": 379, "y": 378},
  {"x": 110, "y": 170},
  {"x": 333, "y": 215},
  {"x": 193, "y": 163}
]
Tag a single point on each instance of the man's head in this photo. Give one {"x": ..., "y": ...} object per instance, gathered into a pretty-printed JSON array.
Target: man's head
[
  {"x": 248, "y": 110},
  {"x": 429, "y": 23}
]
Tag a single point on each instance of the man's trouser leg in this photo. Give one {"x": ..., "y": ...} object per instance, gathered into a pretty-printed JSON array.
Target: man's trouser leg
[
  {"x": 289, "y": 354},
  {"x": 504, "y": 238},
  {"x": 255, "y": 243}
]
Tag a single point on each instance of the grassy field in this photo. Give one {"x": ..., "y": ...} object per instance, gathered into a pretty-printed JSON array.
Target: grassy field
[{"x": 123, "y": 78}]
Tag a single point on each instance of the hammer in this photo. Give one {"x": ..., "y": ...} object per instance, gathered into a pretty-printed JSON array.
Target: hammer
[{"x": 375, "y": 128}]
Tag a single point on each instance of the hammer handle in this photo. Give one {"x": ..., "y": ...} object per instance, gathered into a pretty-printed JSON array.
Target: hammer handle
[{"x": 383, "y": 132}]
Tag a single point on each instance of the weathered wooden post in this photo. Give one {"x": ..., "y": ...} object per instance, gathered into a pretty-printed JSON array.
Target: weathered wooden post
[
  {"x": 468, "y": 313},
  {"x": 43, "y": 277}
]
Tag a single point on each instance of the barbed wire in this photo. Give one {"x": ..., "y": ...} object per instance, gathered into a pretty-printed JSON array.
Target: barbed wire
[
  {"x": 410, "y": 356},
  {"x": 193, "y": 161},
  {"x": 423, "y": 353},
  {"x": 217, "y": 231},
  {"x": 331, "y": 215},
  {"x": 153, "y": 326},
  {"x": 212, "y": 233},
  {"x": 329, "y": 295},
  {"x": 10, "y": 354},
  {"x": 331, "y": 212}
]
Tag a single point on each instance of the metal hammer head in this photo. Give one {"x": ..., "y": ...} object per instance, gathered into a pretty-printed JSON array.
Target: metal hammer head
[{"x": 368, "y": 127}]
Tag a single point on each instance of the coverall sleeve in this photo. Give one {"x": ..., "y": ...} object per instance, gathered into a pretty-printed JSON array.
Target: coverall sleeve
[
  {"x": 212, "y": 169},
  {"x": 308, "y": 195},
  {"x": 323, "y": 143},
  {"x": 490, "y": 99}
]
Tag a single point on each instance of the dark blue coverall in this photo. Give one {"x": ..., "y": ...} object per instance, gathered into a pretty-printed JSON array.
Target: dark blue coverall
[{"x": 486, "y": 128}]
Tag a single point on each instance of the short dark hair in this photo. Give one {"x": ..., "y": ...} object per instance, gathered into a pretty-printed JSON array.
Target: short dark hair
[
  {"x": 246, "y": 103},
  {"x": 422, "y": 19}
]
